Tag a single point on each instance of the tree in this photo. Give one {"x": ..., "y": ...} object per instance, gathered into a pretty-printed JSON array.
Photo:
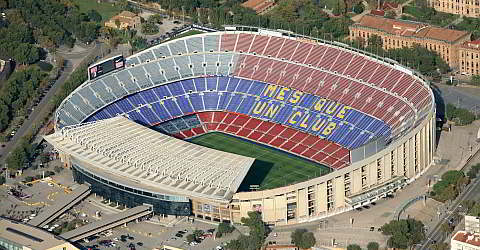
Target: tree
[
  {"x": 190, "y": 238},
  {"x": 3, "y": 4},
  {"x": 117, "y": 23},
  {"x": 302, "y": 238},
  {"x": 459, "y": 115},
  {"x": 157, "y": 19},
  {"x": 44, "y": 158},
  {"x": 197, "y": 233},
  {"x": 404, "y": 233},
  {"x": 297, "y": 236},
  {"x": 446, "y": 228},
  {"x": 373, "y": 246},
  {"x": 256, "y": 238},
  {"x": 224, "y": 228},
  {"x": 17, "y": 159},
  {"x": 308, "y": 240},
  {"x": 475, "y": 80},
  {"x": 94, "y": 16},
  {"x": 390, "y": 14},
  {"x": 59, "y": 61},
  {"x": 375, "y": 41},
  {"x": 58, "y": 169},
  {"x": 123, "y": 4},
  {"x": 353, "y": 247},
  {"x": 450, "y": 186},
  {"x": 439, "y": 246},
  {"x": 26, "y": 54},
  {"x": 149, "y": 28},
  {"x": 358, "y": 8}
]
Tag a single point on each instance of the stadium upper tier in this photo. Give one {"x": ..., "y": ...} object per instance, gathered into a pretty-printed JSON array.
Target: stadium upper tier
[
  {"x": 122, "y": 149},
  {"x": 323, "y": 89},
  {"x": 315, "y": 115}
]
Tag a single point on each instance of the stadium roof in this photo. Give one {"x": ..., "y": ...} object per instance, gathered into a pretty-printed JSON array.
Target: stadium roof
[{"x": 129, "y": 151}]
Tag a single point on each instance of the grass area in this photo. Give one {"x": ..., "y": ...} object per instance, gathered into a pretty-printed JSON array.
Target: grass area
[
  {"x": 188, "y": 33},
  {"x": 332, "y": 4},
  {"x": 428, "y": 15},
  {"x": 107, "y": 10},
  {"x": 272, "y": 168}
]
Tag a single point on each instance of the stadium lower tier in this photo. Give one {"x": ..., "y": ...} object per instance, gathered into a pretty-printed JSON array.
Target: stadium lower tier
[
  {"x": 275, "y": 135},
  {"x": 131, "y": 196},
  {"x": 311, "y": 114}
]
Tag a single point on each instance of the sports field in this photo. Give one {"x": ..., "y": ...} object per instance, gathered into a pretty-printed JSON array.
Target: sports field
[
  {"x": 272, "y": 168},
  {"x": 106, "y": 10}
]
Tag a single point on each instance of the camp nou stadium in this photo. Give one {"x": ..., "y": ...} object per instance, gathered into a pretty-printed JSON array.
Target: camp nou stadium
[{"x": 218, "y": 124}]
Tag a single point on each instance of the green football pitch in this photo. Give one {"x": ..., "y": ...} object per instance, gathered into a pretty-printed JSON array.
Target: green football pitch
[{"x": 272, "y": 168}]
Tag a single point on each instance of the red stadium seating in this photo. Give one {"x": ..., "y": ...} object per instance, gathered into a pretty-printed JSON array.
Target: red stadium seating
[
  {"x": 355, "y": 66},
  {"x": 342, "y": 62},
  {"x": 228, "y": 42},
  {"x": 315, "y": 55},
  {"x": 272, "y": 134},
  {"x": 288, "y": 48},
  {"x": 244, "y": 41},
  {"x": 273, "y": 46},
  {"x": 329, "y": 58},
  {"x": 258, "y": 45},
  {"x": 302, "y": 52}
]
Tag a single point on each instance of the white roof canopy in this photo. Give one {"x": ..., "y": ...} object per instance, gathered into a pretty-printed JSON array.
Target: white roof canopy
[{"x": 129, "y": 150}]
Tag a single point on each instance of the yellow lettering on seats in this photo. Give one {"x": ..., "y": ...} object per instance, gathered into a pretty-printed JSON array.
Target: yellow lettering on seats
[
  {"x": 259, "y": 107},
  {"x": 281, "y": 94},
  {"x": 270, "y": 90},
  {"x": 320, "y": 103},
  {"x": 292, "y": 121},
  {"x": 332, "y": 107},
  {"x": 318, "y": 124},
  {"x": 296, "y": 97},
  {"x": 304, "y": 123},
  {"x": 272, "y": 110},
  {"x": 329, "y": 129},
  {"x": 343, "y": 111}
]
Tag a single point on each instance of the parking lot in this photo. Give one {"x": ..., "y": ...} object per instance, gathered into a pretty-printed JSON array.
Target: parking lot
[{"x": 149, "y": 235}]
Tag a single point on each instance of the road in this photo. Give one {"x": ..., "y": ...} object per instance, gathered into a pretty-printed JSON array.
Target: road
[
  {"x": 463, "y": 97},
  {"x": 471, "y": 193},
  {"x": 42, "y": 106}
]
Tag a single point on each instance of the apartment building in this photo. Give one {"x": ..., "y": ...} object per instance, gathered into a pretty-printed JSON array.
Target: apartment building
[
  {"x": 400, "y": 33},
  {"x": 469, "y": 8},
  {"x": 469, "y": 56},
  {"x": 465, "y": 241}
]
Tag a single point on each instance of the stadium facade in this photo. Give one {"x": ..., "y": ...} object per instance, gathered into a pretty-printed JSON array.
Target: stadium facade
[{"x": 369, "y": 119}]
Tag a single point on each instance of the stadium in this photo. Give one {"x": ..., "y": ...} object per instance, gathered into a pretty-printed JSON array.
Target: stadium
[{"x": 218, "y": 124}]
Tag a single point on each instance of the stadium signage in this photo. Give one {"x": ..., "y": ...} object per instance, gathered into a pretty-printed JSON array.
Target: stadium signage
[
  {"x": 323, "y": 125},
  {"x": 106, "y": 66}
]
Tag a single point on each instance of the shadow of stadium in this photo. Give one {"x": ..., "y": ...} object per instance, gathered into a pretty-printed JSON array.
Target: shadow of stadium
[{"x": 256, "y": 174}]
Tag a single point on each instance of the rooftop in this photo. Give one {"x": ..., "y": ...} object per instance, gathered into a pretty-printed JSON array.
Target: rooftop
[
  {"x": 472, "y": 45},
  {"x": 258, "y": 5},
  {"x": 129, "y": 152},
  {"x": 471, "y": 239},
  {"x": 409, "y": 28},
  {"x": 31, "y": 237},
  {"x": 127, "y": 14}
]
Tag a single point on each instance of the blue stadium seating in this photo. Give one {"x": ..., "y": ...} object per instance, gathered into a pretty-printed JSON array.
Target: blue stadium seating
[{"x": 163, "y": 103}]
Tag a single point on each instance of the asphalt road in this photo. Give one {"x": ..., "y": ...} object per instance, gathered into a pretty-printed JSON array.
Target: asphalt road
[
  {"x": 42, "y": 106},
  {"x": 463, "y": 97},
  {"x": 471, "y": 193}
]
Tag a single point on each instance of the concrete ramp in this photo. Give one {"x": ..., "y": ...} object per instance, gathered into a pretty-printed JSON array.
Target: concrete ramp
[
  {"x": 61, "y": 205},
  {"x": 107, "y": 223}
]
